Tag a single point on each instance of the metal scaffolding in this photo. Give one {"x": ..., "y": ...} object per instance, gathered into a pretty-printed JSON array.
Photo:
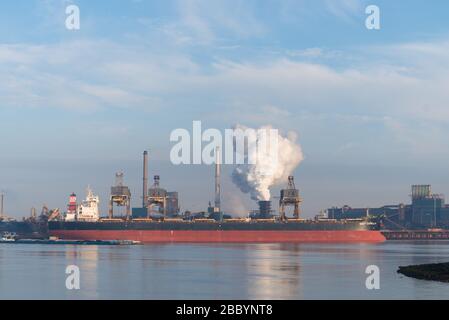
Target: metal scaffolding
[
  {"x": 120, "y": 196},
  {"x": 290, "y": 197}
]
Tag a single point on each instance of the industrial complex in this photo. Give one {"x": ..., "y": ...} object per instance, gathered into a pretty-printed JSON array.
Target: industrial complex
[
  {"x": 159, "y": 218},
  {"x": 427, "y": 210}
]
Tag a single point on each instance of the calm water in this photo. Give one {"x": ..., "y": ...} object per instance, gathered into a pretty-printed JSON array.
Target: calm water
[{"x": 255, "y": 271}]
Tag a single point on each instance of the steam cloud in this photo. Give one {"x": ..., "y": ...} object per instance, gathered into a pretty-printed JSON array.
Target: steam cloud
[{"x": 270, "y": 169}]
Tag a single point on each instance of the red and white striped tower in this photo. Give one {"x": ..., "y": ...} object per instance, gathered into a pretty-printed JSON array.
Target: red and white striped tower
[{"x": 71, "y": 208}]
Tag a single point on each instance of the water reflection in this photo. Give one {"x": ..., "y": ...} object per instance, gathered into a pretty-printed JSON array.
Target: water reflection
[
  {"x": 86, "y": 259},
  {"x": 247, "y": 271},
  {"x": 274, "y": 271}
]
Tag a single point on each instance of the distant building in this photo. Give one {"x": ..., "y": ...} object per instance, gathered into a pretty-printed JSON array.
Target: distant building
[
  {"x": 427, "y": 210},
  {"x": 172, "y": 203},
  {"x": 159, "y": 202}
]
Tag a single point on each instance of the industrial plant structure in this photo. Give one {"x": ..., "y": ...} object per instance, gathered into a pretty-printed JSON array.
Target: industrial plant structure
[
  {"x": 290, "y": 197},
  {"x": 157, "y": 202},
  {"x": 427, "y": 210},
  {"x": 159, "y": 221},
  {"x": 120, "y": 196}
]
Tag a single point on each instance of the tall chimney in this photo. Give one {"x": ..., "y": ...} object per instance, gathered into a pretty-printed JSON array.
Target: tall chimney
[
  {"x": 1, "y": 205},
  {"x": 217, "y": 180},
  {"x": 145, "y": 179}
]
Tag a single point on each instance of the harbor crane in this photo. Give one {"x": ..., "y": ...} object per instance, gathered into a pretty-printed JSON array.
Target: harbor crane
[
  {"x": 120, "y": 196},
  {"x": 290, "y": 197}
]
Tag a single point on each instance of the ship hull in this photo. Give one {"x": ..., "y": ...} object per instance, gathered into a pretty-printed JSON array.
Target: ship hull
[
  {"x": 214, "y": 232},
  {"x": 149, "y": 233},
  {"x": 25, "y": 229}
]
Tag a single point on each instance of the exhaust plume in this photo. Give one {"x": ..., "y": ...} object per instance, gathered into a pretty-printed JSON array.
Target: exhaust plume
[{"x": 273, "y": 165}]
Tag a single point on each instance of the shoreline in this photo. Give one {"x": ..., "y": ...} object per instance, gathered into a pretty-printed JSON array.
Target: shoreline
[{"x": 431, "y": 272}]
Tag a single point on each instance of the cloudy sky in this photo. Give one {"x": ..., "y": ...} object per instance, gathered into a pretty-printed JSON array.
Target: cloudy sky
[{"x": 370, "y": 107}]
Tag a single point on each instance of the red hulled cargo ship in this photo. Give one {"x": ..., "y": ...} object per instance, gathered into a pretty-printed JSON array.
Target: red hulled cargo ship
[
  {"x": 263, "y": 227},
  {"x": 227, "y": 231}
]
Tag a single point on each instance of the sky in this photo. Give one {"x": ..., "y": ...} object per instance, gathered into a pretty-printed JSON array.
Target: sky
[{"x": 370, "y": 107}]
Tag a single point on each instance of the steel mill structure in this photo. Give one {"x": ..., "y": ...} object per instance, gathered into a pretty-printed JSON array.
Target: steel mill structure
[
  {"x": 157, "y": 202},
  {"x": 290, "y": 197},
  {"x": 145, "y": 180},
  {"x": 159, "y": 221},
  {"x": 2, "y": 198},
  {"x": 157, "y": 199},
  {"x": 427, "y": 210},
  {"x": 120, "y": 196},
  {"x": 217, "y": 207}
]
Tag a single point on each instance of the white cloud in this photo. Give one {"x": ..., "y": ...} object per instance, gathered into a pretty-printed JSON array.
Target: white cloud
[
  {"x": 298, "y": 11},
  {"x": 90, "y": 75},
  {"x": 204, "y": 23},
  {"x": 344, "y": 9}
]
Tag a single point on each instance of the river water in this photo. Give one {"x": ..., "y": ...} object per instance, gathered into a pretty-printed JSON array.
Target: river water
[{"x": 231, "y": 271}]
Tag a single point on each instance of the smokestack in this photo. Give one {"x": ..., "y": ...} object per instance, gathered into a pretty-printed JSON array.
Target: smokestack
[
  {"x": 217, "y": 180},
  {"x": 265, "y": 209},
  {"x": 145, "y": 179},
  {"x": 1, "y": 205}
]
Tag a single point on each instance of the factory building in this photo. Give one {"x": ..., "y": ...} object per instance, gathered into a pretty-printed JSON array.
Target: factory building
[
  {"x": 172, "y": 203},
  {"x": 427, "y": 210},
  {"x": 156, "y": 201},
  {"x": 159, "y": 201},
  {"x": 162, "y": 201}
]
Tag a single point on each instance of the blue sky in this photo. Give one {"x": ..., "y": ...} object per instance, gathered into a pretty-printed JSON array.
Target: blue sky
[{"x": 370, "y": 106}]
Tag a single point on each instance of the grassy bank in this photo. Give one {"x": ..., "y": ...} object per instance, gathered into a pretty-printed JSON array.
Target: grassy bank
[{"x": 434, "y": 272}]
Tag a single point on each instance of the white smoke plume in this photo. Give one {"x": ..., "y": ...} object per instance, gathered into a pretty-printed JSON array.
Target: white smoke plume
[{"x": 271, "y": 168}]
